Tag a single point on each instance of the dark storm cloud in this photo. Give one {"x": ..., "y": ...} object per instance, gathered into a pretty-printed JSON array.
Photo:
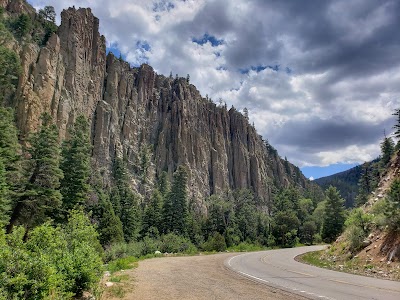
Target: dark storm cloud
[{"x": 329, "y": 135}]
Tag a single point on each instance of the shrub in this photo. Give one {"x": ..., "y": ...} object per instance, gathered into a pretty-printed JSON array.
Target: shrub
[
  {"x": 54, "y": 262},
  {"x": 216, "y": 242},
  {"x": 355, "y": 236},
  {"x": 173, "y": 243}
]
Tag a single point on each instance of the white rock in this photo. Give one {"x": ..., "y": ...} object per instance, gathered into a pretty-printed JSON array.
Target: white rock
[{"x": 109, "y": 284}]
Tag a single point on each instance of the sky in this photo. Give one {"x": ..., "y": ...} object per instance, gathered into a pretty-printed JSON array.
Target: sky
[{"x": 320, "y": 79}]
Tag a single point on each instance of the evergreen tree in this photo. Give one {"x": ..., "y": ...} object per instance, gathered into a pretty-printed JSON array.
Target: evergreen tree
[
  {"x": 22, "y": 25},
  {"x": 175, "y": 210},
  {"x": 4, "y": 197},
  {"x": 10, "y": 68},
  {"x": 163, "y": 184},
  {"x": 387, "y": 149},
  {"x": 10, "y": 149},
  {"x": 75, "y": 165},
  {"x": 110, "y": 226},
  {"x": 125, "y": 199},
  {"x": 41, "y": 195},
  {"x": 364, "y": 185},
  {"x": 396, "y": 127},
  {"x": 48, "y": 13},
  {"x": 152, "y": 214},
  {"x": 334, "y": 215}
]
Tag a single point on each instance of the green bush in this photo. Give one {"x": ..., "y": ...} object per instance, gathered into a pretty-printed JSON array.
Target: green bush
[
  {"x": 355, "y": 236},
  {"x": 173, "y": 243},
  {"x": 53, "y": 263},
  {"x": 216, "y": 242}
]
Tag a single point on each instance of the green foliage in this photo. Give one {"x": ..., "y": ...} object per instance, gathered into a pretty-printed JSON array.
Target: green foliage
[
  {"x": 360, "y": 219},
  {"x": 75, "y": 164},
  {"x": 41, "y": 195},
  {"x": 392, "y": 210},
  {"x": 334, "y": 215},
  {"x": 5, "y": 201},
  {"x": 163, "y": 184},
  {"x": 151, "y": 222},
  {"x": 22, "y": 25},
  {"x": 83, "y": 244},
  {"x": 175, "y": 208},
  {"x": 354, "y": 236},
  {"x": 124, "y": 202},
  {"x": 110, "y": 226},
  {"x": 215, "y": 242},
  {"x": 387, "y": 150},
  {"x": 396, "y": 127},
  {"x": 346, "y": 182},
  {"x": 173, "y": 243},
  {"x": 124, "y": 263},
  {"x": 10, "y": 68},
  {"x": 48, "y": 13},
  {"x": 285, "y": 228},
  {"x": 53, "y": 263},
  {"x": 358, "y": 225},
  {"x": 307, "y": 232}
]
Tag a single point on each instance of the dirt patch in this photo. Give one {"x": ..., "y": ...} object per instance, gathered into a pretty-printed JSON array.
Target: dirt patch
[{"x": 196, "y": 277}]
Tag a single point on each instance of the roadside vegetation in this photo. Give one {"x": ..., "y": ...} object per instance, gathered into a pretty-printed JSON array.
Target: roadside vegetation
[{"x": 370, "y": 242}]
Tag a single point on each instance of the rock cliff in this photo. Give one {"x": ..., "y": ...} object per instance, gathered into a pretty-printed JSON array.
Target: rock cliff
[{"x": 134, "y": 111}]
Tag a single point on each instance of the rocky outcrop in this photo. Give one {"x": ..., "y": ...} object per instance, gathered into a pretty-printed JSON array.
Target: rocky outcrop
[{"x": 134, "y": 110}]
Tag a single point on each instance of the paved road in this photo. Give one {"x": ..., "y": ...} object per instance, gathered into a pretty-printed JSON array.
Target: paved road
[{"x": 278, "y": 268}]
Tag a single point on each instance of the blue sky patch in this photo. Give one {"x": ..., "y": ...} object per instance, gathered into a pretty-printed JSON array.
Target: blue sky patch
[
  {"x": 114, "y": 49},
  {"x": 318, "y": 172},
  {"x": 208, "y": 38},
  {"x": 259, "y": 68}
]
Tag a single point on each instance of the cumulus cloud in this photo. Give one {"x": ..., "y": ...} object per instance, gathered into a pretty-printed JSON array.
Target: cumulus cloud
[{"x": 320, "y": 78}]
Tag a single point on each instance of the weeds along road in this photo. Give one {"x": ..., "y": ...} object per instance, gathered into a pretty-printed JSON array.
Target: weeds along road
[
  {"x": 270, "y": 274},
  {"x": 279, "y": 269}
]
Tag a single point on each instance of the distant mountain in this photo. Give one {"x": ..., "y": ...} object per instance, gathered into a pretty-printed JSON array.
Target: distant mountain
[{"x": 346, "y": 182}]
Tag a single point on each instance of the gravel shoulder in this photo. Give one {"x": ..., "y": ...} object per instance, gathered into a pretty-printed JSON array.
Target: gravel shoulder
[{"x": 194, "y": 277}]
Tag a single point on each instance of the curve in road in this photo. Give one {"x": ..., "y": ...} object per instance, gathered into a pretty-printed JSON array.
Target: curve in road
[{"x": 278, "y": 268}]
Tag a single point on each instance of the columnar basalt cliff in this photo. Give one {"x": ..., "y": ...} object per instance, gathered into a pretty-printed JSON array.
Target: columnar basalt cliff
[{"x": 134, "y": 109}]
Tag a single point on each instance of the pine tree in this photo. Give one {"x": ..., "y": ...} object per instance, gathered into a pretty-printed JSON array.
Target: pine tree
[
  {"x": 4, "y": 197},
  {"x": 152, "y": 214},
  {"x": 110, "y": 226},
  {"x": 41, "y": 195},
  {"x": 75, "y": 165},
  {"x": 175, "y": 210},
  {"x": 125, "y": 200},
  {"x": 396, "y": 127},
  {"x": 387, "y": 149},
  {"x": 334, "y": 215},
  {"x": 48, "y": 13},
  {"x": 364, "y": 185},
  {"x": 10, "y": 68},
  {"x": 163, "y": 184},
  {"x": 10, "y": 150}
]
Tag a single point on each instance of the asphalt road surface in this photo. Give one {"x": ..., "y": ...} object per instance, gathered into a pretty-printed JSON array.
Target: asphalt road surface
[{"x": 277, "y": 268}]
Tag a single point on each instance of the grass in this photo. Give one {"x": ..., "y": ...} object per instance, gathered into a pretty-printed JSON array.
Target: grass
[
  {"x": 314, "y": 258},
  {"x": 119, "y": 278},
  {"x": 122, "y": 264},
  {"x": 117, "y": 291}
]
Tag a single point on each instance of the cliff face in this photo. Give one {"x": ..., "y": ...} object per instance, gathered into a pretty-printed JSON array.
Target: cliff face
[{"x": 133, "y": 110}]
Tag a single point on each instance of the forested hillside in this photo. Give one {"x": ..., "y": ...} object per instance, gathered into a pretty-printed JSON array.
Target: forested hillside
[{"x": 348, "y": 182}]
